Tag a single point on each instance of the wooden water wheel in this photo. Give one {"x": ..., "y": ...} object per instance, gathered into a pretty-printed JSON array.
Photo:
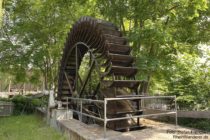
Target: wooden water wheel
[{"x": 96, "y": 63}]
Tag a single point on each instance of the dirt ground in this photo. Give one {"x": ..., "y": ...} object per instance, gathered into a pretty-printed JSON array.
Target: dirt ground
[{"x": 153, "y": 131}]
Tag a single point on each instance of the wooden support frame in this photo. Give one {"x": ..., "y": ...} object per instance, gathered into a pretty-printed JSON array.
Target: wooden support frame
[
  {"x": 94, "y": 63},
  {"x": 87, "y": 78},
  {"x": 70, "y": 87}
]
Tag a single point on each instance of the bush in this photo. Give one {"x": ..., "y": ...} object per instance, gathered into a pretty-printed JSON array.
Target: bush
[
  {"x": 5, "y": 99},
  {"x": 202, "y": 124},
  {"x": 25, "y": 105}
]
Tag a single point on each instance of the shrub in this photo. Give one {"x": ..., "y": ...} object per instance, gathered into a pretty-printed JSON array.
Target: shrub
[
  {"x": 5, "y": 99},
  {"x": 202, "y": 124},
  {"x": 25, "y": 105}
]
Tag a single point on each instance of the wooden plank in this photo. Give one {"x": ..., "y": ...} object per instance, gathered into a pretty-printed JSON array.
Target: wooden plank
[
  {"x": 194, "y": 114},
  {"x": 123, "y": 71},
  {"x": 184, "y": 114},
  {"x": 119, "y": 49},
  {"x": 115, "y": 39},
  {"x": 69, "y": 83}
]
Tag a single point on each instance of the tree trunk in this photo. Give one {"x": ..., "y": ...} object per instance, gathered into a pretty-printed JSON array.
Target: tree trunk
[
  {"x": 151, "y": 53},
  {"x": 45, "y": 78},
  {"x": 122, "y": 24},
  {"x": 24, "y": 88},
  {"x": 148, "y": 83},
  {"x": 9, "y": 87}
]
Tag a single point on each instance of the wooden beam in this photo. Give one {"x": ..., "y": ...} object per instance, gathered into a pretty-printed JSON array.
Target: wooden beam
[
  {"x": 86, "y": 80},
  {"x": 70, "y": 87}
]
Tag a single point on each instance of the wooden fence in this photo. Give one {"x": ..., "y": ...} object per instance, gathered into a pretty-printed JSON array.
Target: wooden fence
[
  {"x": 194, "y": 114},
  {"x": 6, "y": 108}
]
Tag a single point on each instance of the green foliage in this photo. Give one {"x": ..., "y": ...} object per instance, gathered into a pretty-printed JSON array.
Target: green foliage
[
  {"x": 84, "y": 69},
  {"x": 5, "y": 99},
  {"x": 33, "y": 40},
  {"x": 191, "y": 82},
  {"x": 25, "y": 105},
  {"x": 165, "y": 36},
  {"x": 1, "y": 12},
  {"x": 202, "y": 124}
]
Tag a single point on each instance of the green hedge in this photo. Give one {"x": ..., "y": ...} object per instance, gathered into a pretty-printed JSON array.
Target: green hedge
[
  {"x": 25, "y": 105},
  {"x": 202, "y": 124}
]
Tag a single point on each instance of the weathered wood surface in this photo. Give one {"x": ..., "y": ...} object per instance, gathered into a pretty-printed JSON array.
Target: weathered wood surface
[
  {"x": 6, "y": 108},
  {"x": 183, "y": 114}
]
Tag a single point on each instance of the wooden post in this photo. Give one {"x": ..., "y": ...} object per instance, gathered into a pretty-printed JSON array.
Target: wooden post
[
  {"x": 24, "y": 88},
  {"x": 0, "y": 86},
  {"x": 9, "y": 87}
]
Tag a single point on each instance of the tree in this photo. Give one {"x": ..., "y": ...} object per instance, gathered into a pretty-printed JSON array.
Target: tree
[
  {"x": 190, "y": 81},
  {"x": 1, "y": 11},
  {"x": 157, "y": 29},
  {"x": 165, "y": 36}
]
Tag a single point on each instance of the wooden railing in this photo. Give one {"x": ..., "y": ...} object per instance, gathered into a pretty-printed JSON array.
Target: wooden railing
[{"x": 6, "y": 108}]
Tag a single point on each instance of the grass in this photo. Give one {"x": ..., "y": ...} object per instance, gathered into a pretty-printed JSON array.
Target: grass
[{"x": 27, "y": 127}]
